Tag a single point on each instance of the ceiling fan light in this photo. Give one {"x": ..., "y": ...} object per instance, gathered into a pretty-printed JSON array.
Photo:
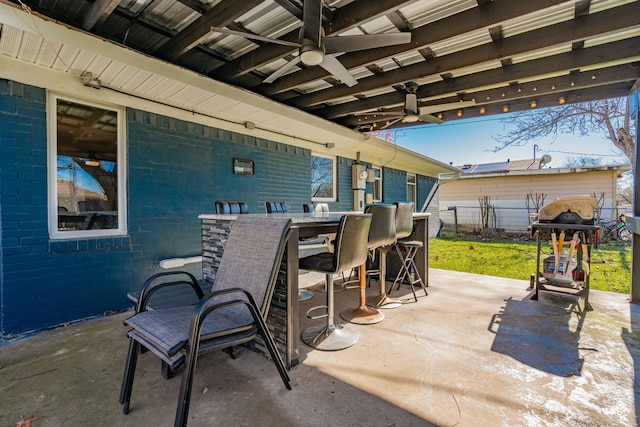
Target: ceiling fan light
[
  {"x": 411, "y": 118},
  {"x": 92, "y": 162},
  {"x": 310, "y": 55}
]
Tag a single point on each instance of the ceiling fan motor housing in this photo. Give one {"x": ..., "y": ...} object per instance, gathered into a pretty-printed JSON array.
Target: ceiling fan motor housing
[{"x": 310, "y": 53}]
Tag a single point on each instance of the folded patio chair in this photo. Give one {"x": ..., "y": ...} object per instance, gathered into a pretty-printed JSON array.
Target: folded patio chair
[{"x": 233, "y": 313}]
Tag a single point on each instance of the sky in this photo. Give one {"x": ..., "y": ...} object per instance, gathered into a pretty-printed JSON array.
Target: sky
[{"x": 472, "y": 141}]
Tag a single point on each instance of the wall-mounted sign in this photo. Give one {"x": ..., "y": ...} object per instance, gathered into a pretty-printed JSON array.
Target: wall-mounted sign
[{"x": 243, "y": 166}]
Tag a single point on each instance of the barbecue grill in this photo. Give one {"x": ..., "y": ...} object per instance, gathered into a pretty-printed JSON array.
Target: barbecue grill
[{"x": 563, "y": 218}]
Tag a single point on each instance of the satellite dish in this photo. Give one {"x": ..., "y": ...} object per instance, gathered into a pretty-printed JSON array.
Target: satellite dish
[{"x": 545, "y": 159}]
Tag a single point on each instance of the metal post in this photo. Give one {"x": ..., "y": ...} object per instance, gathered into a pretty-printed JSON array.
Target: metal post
[{"x": 634, "y": 110}]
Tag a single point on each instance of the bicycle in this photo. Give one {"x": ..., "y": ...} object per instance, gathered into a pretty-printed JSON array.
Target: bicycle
[{"x": 617, "y": 229}]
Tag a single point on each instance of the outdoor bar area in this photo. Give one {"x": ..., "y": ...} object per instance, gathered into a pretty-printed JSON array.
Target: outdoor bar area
[
  {"x": 225, "y": 213},
  {"x": 283, "y": 318}
]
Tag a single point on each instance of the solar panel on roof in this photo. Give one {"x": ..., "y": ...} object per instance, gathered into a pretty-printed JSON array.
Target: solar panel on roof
[{"x": 492, "y": 167}]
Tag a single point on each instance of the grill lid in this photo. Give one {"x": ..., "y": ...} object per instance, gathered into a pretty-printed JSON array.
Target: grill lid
[{"x": 569, "y": 210}]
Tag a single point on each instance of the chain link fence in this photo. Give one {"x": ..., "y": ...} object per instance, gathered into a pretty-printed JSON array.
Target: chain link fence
[{"x": 501, "y": 220}]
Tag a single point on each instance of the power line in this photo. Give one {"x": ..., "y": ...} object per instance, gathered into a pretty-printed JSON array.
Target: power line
[{"x": 585, "y": 154}]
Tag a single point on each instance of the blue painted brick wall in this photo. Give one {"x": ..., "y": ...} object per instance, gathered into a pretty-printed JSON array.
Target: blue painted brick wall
[
  {"x": 176, "y": 170},
  {"x": 394, "y": 185}
]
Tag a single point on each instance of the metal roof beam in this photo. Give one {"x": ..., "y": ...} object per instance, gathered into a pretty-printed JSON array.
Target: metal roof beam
[
  {"x": 564, "y": 32},
  {"x": 460, "y": 23},
  {"x": 623, "y": 49}
]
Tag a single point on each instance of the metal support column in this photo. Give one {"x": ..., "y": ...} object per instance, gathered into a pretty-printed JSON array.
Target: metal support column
[{"x": 634, "y": 109}]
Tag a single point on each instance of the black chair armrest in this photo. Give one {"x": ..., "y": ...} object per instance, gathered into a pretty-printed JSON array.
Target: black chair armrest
[{"x": 150, "y": 286}]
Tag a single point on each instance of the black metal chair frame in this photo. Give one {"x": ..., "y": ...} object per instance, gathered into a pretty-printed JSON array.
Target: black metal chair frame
[
  {"x": 215, "y": 303},
  {"x": 408, "y": 272}
]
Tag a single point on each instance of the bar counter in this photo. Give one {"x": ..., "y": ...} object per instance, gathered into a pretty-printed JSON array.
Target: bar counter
[{"x": 283, "y": 318}]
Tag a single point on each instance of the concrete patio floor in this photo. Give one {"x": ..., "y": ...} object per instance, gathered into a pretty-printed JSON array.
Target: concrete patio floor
[{"x": 475, "y": 352}]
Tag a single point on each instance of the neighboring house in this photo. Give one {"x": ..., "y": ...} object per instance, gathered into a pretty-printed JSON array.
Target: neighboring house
[{"x": 515, "y": 189}]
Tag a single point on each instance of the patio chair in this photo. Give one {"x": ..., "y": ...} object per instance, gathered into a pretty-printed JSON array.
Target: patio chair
[{"x": 228, "y": 316}]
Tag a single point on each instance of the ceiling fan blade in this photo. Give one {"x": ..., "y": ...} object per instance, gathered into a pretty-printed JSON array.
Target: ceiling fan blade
[
  {"x": 391, "y": 123},
  {"x": 337, "y": 70},
  {"x": 271, "y": 78},
  {"x": 382, "y": 113},
  {"x": 428, "y": 109},
  {"x": 428, "y": 118},
  {"x": 253, "y": 36},
  {"x": 368, "y": 41},
  {"x": 312, "y": 20}
]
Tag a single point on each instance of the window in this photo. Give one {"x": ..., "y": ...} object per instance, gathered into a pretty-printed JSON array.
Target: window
[
  {"x": 323, "y": 182},
  {"x": 411, "y": 189},
  {"x": 377, "y": 184},
  {"x": 86, "y": 169}
]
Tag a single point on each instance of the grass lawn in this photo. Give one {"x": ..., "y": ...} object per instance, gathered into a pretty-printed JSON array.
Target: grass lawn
[{"x": 515, "y": 258}]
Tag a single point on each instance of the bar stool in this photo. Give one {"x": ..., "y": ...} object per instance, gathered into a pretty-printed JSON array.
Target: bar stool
[
  {"x": 408, "y": 270},
  {"x": 381, "y": 235},
  {"x": 350, "y": 251},
  {"x": 404, "y": 227},
  {"x": 276, "y": 207}
]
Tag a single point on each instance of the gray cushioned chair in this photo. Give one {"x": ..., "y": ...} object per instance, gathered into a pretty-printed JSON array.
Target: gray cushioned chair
[
  {"x": 350, "y": 250},
  {"x": 233, "y": 313}
]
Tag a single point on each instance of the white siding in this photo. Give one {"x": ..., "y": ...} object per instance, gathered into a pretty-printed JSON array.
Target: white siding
[{"x": 508, "y": 195}]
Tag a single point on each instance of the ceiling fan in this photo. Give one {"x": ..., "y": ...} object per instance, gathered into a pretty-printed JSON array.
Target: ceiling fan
[
  {"x": 412, "y": 113},
  {"x": 314, "y": 48}
]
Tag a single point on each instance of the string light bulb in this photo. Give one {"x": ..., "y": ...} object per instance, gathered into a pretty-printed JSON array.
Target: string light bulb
[
  {"x": 459, "y": 113},
  {"x": 483, "y": 110},
  {"x": 562, "y": 100},
  {"x": 439, "y": 116},
  {"x": 533, "y": 104},
  {"x": 505, "y": 109}
]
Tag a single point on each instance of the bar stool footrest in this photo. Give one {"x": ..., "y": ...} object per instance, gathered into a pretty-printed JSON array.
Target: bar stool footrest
[{"x": 320, "y": 316}]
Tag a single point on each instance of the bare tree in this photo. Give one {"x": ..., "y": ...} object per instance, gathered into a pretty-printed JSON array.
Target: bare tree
[
  {"x": 610, "y": 117},
  {"x": 581, "y": 161}
]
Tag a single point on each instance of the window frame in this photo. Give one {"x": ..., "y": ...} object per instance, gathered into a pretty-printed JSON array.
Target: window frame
[
  {"x": 377, "y": 184},
  {"x": 334, "y": 181},
  {"x": 52, "y": 173},
  {"x": 412, "y": 187}
]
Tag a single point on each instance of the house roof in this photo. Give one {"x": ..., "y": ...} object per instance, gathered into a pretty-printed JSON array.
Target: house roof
[{"x": 529, "y": 167}]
